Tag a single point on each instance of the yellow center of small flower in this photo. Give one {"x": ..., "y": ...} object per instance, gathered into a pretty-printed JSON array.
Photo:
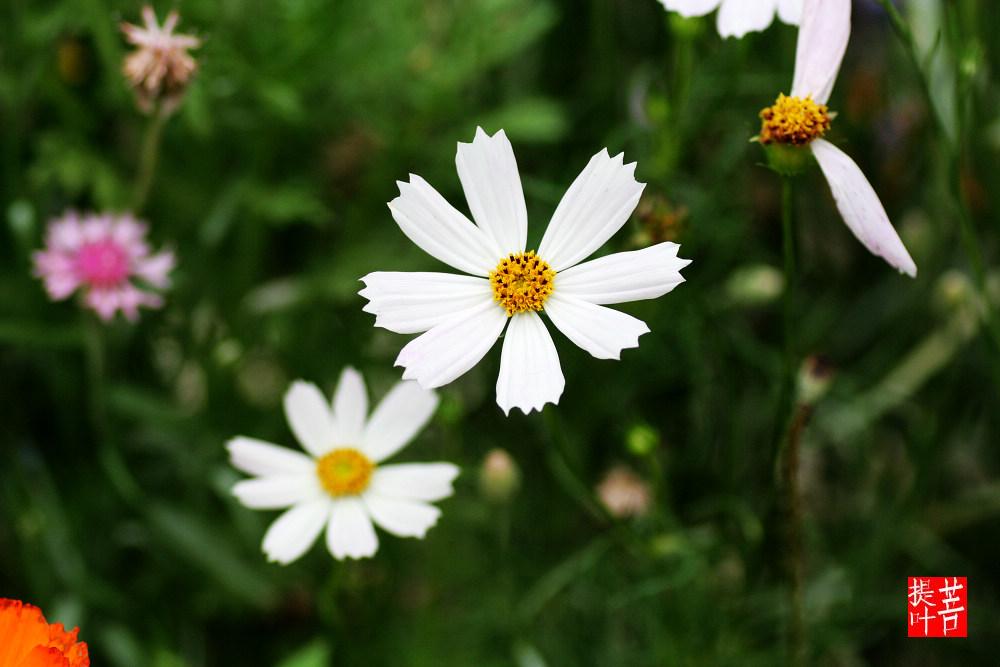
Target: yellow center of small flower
[
  {"x": 522, "y": 282},
  {"x": 344, "y": 472},
  {"x": 793, "y": 120}
]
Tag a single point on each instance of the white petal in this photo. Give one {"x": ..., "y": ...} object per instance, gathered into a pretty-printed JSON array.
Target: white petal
[
  {"x": 738, "y": 17},
  {"x": 294, "y": 532},
  {"x": 411, "y": 302},
  {"x": 256, "y": 457},
  {"x": 690, "y": 7},
  {"x": 596, "y": 206},
  {"x": 440, "y": 230},
  {"x": 823, "y": 36},
  {"x": 309, "y": 417},
  {"x": 625, "y": 276},
  {"x": 404, "y": 518},
  {"x": 601, "y": 331},
  {"x": 452, "y": 347},
  {"x": 414, "y": 481},
  {"x": 530, "y": 375},
  {"x": 349, "y": 533},
  {"x": 790, "y": 11},
  {"x": 272, "y": 493},
  {"x": 397, "y": 419},
  {"x": 350, "y": 407},
  {"x": 492, "y": 185},
  {"x": 861, "y": 208}
]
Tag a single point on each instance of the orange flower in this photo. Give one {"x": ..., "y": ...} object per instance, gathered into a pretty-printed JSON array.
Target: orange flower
[{"x": 27, "y": 640}]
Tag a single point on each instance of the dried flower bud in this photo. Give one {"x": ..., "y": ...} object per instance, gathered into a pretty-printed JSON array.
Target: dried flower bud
[
  {"x": 499, "y": 476},
  {"x": 815, "y": 376},
  {"x": 624, "y": 493},
  {"x": 659, "y": 220},
  {"x": 160, "y": 68}
]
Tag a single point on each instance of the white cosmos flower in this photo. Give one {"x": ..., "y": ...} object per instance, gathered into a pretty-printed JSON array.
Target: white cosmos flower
[
  {"x": 801, "y": 119},
  {"x": 738, "y": 17},
  {"x": 339, "y": 483},
  {"x": 464, "y": 315}
]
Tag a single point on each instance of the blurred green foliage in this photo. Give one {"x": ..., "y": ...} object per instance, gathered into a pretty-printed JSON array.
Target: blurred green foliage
[{"x": 115, "y": 512}]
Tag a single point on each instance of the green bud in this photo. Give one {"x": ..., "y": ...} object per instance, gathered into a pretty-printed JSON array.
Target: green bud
[
  {"x": 788, "y": 159},
  {"x": 642, "y": 439},
  {"x": 499, "y": 477}
]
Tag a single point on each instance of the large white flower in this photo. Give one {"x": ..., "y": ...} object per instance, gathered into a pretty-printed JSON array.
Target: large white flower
[
  {"x": 738, "y": 17},
  {"x": 802, "y": 118},
  {"x": 339, "y": 483},
  {"x": 463, "y": 315}
]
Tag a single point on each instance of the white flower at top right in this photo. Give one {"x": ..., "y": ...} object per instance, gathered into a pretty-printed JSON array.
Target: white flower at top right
[
  {"x": 736, "y": 18},
  {"x": 802, "y": 118}
]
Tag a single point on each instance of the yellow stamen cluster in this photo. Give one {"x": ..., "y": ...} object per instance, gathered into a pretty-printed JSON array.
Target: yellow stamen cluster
[
  {"x": 344, "y": 472},
  {"x": 522, "y": 282},
  {"x": 793, "y": 120}
]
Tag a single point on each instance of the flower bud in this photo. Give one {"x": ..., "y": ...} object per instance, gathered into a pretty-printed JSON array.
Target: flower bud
[
  {"x": 624, "y": 493},
  {"x": 499, "y": 477}
]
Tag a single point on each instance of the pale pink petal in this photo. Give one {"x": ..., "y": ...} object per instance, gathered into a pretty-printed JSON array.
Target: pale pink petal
[
  {"x": 823, "y": 37},
  {"x": 104, "y": 302},
  {"x": 156, "y": 269},
  {"x": 66, "y": 233},
  {"x": 861, "y": 208}
]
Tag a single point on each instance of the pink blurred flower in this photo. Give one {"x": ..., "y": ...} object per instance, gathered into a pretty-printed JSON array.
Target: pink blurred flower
[
  {"x": 101, "y": 255},
  {"x": 160, "y": 67}
]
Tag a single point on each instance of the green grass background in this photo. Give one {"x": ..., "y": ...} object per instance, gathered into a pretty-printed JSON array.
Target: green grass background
[{"x": 271, "y": 187}]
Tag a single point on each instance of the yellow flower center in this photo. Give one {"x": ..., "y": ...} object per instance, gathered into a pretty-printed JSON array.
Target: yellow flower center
[
  {"x": 522, "y": 282},
  {"x": 344, "y": 472},
  {"x": 793, "y": 120}
]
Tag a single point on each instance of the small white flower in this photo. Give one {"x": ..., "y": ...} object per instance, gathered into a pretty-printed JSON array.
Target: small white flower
[
  {"x": 801, "y": 119},
  {"x": 463, "y": 316},
  {"x": 738, "y": 17},
  {"x": 340, "y": 484}
]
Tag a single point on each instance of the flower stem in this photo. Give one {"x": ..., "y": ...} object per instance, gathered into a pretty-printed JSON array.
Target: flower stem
[
  {"x": 148, "y": 155},
  {"x": 788, "y": 244},
  {"x": 107, "y": 452},
  {"x": 792, "y": 419},
  {"x": 793, "y": 532}
]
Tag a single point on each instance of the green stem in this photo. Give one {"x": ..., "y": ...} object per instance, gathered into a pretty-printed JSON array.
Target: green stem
[
  {"x": 107, "y": 452},
  {"x": 791, "y": 421},
  {"x": 148, "y": 154},
  {"x": 788, "y": 246}
]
